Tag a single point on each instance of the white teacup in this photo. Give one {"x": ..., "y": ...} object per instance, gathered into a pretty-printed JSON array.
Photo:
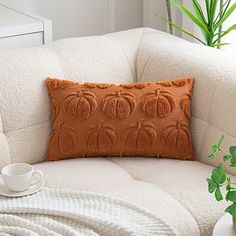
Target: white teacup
[{"x": 18, "y": 177}]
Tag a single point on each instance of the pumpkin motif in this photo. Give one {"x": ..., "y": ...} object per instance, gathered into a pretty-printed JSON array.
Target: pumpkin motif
[
  {"x": 185, "y": 104},
  {"x": 101, "y": 138},
  {"x": 80, "y": 104},
  {"x": 164, "y": 83},
  {"x": 55, "y": 83},
  {"x": 176, "y": 135},
  {"x": 101, "y": 86},
  {"x": 119, "y": 105},
  {"x": 141, "y": 85},
  {"x": 127, "y": 86},
  {"x": 104, "y": 86},
  {"x": 140, "y": 136},
  {"x": 181, "y": 82},
  {"x": 158, "y": 103},
  {"x": 63, "y": 140},
  {"x": 55, "y": 107},
  {"x": 135, "y": 85}
]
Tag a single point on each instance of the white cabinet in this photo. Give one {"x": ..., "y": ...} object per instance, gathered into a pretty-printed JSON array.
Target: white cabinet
[
  {"x": 73, "y": 18},
  {"x": 18, "y": 29}
]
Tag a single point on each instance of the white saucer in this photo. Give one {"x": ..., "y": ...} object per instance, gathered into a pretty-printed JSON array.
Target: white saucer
[{"x": 31, "y": 190}]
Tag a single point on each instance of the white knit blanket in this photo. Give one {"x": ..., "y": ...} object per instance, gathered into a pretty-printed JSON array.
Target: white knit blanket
[{"x": 53, "y": 212}]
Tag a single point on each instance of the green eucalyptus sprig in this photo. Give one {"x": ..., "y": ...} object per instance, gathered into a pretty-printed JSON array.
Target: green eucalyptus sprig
[
  {"x": 219, "y": 178},
  {"x": 208, "y": 20}
]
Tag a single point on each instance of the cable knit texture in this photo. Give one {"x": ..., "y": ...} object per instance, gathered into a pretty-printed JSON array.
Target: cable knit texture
[{"x": 55, "y": 212}]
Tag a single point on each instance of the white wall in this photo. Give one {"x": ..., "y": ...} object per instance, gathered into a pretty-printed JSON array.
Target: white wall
[
  {"x": 156, "y": 6},
  {"x": 73, "y": 18},
  {"x": 126, "y": 14},
  {"x": 149, "y": 19}
]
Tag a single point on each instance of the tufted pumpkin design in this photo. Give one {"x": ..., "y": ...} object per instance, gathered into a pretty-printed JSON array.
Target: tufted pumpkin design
[
  {"x": 135, "y": 85},
  {"x": 176, "y": 135},
  {"x": 158, "y": 103},
  {"x": 101, "y": 138},
  {"x": 141, "y": 136},
  {"x": 97, "y": 119},
  {"x": 63, "y": 140},
  {"x": 101, "y": 86},
  {"x": 80, "y": 104},
  {"x": 55, "y": 83},
  {"x": 119, "y": 105},
  {"x": 185, "y": 104},
  {"x": 55, "y": 107}
]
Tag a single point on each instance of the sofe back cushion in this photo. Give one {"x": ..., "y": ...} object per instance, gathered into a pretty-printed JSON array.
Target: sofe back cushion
[
  {"x": 24, "y": 102},
  {"x": 138, "y": 119}
]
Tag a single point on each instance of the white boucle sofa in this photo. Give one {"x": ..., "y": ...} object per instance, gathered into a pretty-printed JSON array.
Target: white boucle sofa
[{"x": 175, "y": 190}]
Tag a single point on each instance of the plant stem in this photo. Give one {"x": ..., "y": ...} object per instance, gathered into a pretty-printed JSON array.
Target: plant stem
[
  {"x": 220, "y": 28},
  {"x": 169, "y": 15}
]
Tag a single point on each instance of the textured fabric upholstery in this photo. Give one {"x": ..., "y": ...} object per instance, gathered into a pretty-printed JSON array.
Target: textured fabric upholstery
[
  {"x": 24, "y": 102},
  {"x": 163, "y": 57},
  {"x": 4, "y": 147},
  {"x": 102, "y": 175},
  {"x": 175, "y": 190},
  {"x": 135, "y": 55},
  {"x": 185, "y": 181}
]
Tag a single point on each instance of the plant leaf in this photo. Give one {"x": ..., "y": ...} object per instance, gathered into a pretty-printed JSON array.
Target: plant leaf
[
  {"x": 191, "y": 16},
  {"x": 223, "y": 10},
  {"x": 225, "y": 16},
  {"x": 231, "y": 209},
  {"x": 200, "y": 15},
  {"x": 212, "y": 155},
  {"x": 212, "y": 11},
  {"x": 228, "y": 187},
  {"x": 179, "y": 28},
  {"x": 232, "y": 196},
  {"x": 207, "y": 2},
  {"x": 218, "y": 175},
  {"x": 218, "y": 195},
  {"x": 225, "y": 32},
  {"x": 232, "y": 150},
  {"x": 220, "y": 44},
  {"x": 211, "y": 186},
  {"x": 233, "y": 160},
  {"x": 226, "y": 157},
  {"x": 214, "y": 148},
  {"x": 199, "y": 12}
]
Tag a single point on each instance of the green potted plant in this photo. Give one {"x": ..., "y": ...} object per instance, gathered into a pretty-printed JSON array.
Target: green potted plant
[
  {"x": 210, "y": 23},
  {"x": 219, "y": 179}
]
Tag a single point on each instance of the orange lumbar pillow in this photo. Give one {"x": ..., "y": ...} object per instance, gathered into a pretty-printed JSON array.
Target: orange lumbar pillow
[{"x": 138, "y": 119}]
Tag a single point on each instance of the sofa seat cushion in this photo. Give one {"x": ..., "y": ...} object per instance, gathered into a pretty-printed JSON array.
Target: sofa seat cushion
[
  {"x": 106, "y": 177},
  {"x": 185, "y": 181}
]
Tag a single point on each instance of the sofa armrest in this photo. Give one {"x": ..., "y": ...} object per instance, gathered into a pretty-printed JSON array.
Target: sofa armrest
[{"x": 163, "y": 57}]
